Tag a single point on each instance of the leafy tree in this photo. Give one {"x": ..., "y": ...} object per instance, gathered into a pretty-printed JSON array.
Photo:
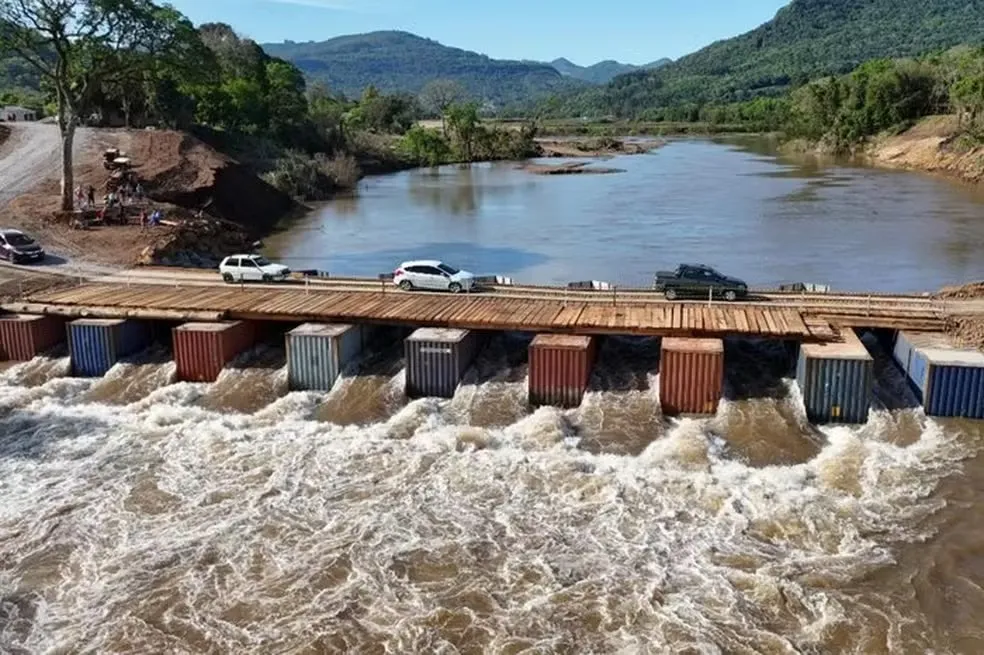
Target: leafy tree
[
  {"x": 78, "y": 46},
  {"x": 425, "y": 147},
  {"x": 463, "y": 123},
  {"x": 438, "y": 95}
]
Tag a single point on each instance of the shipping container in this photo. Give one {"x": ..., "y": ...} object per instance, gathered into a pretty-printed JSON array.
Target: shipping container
[
  {"x": 560, "y": 369},
  {"x": 96, "y": 344},
  {"x": 317, "y": 353},
  {"x": 835, "y": 379},
  {"x": 691, "y": 376},
  {"x": 436, "y": 360},
  {"x": 948, "y": 380},
  {"x": 201, "y": 350},
  {"x": 25, "y": 336}
]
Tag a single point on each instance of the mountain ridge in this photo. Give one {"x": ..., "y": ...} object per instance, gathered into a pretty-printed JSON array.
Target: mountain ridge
[
  {"x": 399, "y": 61},
  {"x": 806, "y": 39}
]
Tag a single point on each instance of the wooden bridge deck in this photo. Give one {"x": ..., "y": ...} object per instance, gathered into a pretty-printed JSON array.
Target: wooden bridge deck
[{"x": 296, "y": 304}]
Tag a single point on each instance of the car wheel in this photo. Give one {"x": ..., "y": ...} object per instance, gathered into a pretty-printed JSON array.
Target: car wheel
[
  {"x": 267, "y": 278},
  {"x": 227, "y": 277},
  {"x": 730, "y": 295},
  {"x": 671, "y": 294},
  {"x": 406, "y": 285},
  {"x": 454, "y": 287}
]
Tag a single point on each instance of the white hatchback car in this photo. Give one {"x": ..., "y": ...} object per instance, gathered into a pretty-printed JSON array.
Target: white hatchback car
[
  {"x": 251, "y": 268},
  {"x": 432, "y": 274}
]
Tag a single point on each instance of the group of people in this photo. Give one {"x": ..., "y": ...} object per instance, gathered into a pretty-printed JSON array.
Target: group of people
[
  {"x": 85, "y": 196},
  {"x": 128, "y": 193}
]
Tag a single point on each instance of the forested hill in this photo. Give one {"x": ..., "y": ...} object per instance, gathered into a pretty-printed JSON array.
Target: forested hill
[
  {"x": 601, "y": 72},
  {"x": 403, "y": 62},
  {"x": 805, "y": 40}
]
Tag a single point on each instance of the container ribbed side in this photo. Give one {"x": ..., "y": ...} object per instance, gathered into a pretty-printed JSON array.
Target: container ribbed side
[
  {"x": 835, "y": 390},
  {"x": 558, "y": 377},
  {"x": 93, "y": 347},
  {"x": 435, "y": 368},
  {"x": 201, "y": 354},
  {"x": 955, "y": 392},
  {"x": 690, "y": 382},
  {"x": 24, "y": 337},
  {"x": 315, "y": 360}
]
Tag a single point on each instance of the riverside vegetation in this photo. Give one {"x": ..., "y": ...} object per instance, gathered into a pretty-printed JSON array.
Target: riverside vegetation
[{"x": 305, "y": 140}]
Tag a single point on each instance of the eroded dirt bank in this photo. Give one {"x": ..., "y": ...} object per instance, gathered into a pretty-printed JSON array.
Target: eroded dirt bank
[
  {"x": 935, "y": 145},
  {"x": 210, "y": 202}
]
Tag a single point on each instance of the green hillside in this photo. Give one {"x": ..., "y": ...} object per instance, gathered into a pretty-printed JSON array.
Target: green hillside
[
  {"x": 603, "y": 71},
  {"x": 403, "y": 62},
  {"x": 805, "y": 40}
]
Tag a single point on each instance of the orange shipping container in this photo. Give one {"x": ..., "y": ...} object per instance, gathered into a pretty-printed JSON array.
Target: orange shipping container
[
  {"x": 201, "y": 350},
  {"x": 24, "y": 336},
  {"x": 691, "y": 375},
  {"x": 560, "y": 369}
]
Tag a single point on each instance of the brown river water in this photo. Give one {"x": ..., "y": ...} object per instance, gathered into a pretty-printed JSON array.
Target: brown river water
[
  {"x": 141, "y": 515},
  {"x": 729, "y": 203}
]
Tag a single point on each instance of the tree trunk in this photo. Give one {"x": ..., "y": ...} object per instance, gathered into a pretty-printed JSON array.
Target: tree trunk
[{"x": 68, "y": 180}]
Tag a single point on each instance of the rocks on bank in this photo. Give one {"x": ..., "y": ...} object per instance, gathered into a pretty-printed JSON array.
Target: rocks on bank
[{"x": 599, "y": 147}]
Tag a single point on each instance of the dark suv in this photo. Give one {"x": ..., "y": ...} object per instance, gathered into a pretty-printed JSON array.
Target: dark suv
[
  {"x": 17, "y": 247},
  {"x": 699, "y": 281}
]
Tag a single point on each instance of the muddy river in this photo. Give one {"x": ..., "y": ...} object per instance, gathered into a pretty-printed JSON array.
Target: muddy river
[
  {"x": 730, "y": 204},
  {"x": 141, "y": 515}
]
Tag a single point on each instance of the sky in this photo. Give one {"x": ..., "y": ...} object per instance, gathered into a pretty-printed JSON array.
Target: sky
[{"x": 584, "y": 31}]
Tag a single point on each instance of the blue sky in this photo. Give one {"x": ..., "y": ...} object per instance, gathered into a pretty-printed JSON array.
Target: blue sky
[{"x": 584, "y": 31}]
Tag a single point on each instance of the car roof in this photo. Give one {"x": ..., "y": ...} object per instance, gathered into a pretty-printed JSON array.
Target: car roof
[
  {"x": 244, "y": 256},
  {"x": 422, "y": 262},
  {"x": 5, "y": 231}
]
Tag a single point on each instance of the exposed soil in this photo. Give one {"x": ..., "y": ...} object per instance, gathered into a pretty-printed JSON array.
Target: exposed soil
[
  {"x": 935, "y": 144},
  {"x": 600, "y": 147},
  {"x": 970, "y": 291},
  {"x": 181, "y": 176},
  {"x": 967, "y": 331},
  {"x": 573, "y": 168}
]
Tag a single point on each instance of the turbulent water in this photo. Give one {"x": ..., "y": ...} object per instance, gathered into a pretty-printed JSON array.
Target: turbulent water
[{"x": 141, "y": 515}]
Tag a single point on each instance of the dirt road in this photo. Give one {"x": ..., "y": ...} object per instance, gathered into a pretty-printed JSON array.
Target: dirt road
[{"x": 32, "y": 155}]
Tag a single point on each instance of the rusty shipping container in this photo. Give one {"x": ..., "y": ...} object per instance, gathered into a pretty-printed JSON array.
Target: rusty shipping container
[
  {"x": 560, "y": 369},
  {"x": 201, "y": 350},
  {"x": 436, "y": 360},
  {"x": 317, "y": 353},
  {"x": 25, "y": 336},
  {"x": 691, "y": 376},
  {"x": 948, "y": 380},
  {"x": 835, "y": 380},
  {"x": 96, "y": 344}
]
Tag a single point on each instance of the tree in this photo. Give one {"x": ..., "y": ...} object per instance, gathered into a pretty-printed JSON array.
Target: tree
[
  {"x": 438, "y": 95},
  {"x": 463, "y": 123},
  {"x": 79, "y": 47},
  {"x": 426, "y": 147}
]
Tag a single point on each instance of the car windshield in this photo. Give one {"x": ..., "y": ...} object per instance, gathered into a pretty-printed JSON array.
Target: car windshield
[
  {"x": 261, "y": 261},
  {"x": 19, "y": 240},
  {"x": 448, "y": 269}
]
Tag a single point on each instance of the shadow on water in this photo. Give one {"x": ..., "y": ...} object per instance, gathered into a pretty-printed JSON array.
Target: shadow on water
[
  {"x": 757, "y": 368},
  {"x": 369, "y": 392},
  {"x": 760, "y": 419},
  {"x": 493, "y": 392},
  {"x": 620, "y": 413}
]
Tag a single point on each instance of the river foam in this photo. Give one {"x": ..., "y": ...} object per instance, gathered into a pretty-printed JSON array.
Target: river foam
[{"x": 166, "y": 525}]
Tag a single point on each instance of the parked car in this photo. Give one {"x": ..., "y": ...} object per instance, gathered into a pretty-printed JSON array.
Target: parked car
[
  {"x": 252, "y": 268},
  {"x": 699, "y": 281},
  {"x": 432, "y": 274},
  {"x": 17, "y": 247}
]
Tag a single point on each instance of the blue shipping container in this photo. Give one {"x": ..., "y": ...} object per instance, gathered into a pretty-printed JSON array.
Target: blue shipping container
[
  {"x": 836, "y": 380},
  {"x": 948, "y": 380},
  {"x": 317, "y": 353},
  {"x": 96, "y": 344}
]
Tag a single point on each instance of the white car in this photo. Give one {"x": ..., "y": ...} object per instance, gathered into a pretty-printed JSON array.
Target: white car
[
  {"x": 432, "y": 274},
  {"x": 251, "y": 268}
]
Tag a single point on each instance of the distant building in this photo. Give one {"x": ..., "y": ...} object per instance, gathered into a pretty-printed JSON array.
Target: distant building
[{"x": 16, "y": 114}]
